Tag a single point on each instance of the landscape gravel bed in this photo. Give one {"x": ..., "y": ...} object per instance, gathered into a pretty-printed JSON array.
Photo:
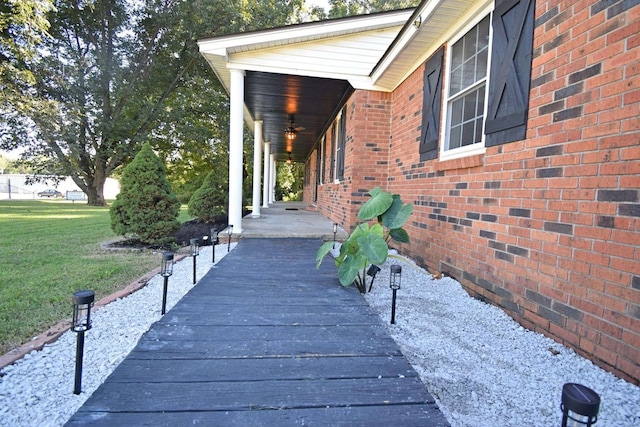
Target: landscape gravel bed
[
  {"x": 483, "y": 369},
  {"x": 37, "y": 390}
]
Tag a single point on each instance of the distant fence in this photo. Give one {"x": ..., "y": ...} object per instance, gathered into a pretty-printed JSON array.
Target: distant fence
[
  {"x": 13, "y": 191},
  {"x": 14, "y": 186}
]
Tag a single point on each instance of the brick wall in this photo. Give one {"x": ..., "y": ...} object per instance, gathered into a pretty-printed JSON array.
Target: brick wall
[
  {"x": 366, "y": 158},
  {"x": 547, "y": 228}
]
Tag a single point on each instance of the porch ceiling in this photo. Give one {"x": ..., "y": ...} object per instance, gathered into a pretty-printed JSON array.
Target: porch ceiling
[
  {"x": 310, "y": 102},
  {"x": 304, "y": 72}
]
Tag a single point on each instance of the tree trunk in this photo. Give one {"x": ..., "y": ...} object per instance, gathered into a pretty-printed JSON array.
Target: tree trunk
[
  {"x": 95, "y": 197},
  {"x": 94, "y": 189}
]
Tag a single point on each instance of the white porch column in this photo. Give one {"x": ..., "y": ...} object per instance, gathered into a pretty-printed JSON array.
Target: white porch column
[
  {"x": 272, "y": 184},
  {"x": 267, "y": 175},
  {"x": 257, "y": 165},
  {"x": 236, "y": 108}
]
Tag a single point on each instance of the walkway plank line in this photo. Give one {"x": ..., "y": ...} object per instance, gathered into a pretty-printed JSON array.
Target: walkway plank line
[{"x": 265, "y": 339}]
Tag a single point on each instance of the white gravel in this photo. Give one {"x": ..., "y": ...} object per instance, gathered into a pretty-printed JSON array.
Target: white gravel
[
  {"x": 483, "y": 368},
  {"x": 38, "y": 389}
]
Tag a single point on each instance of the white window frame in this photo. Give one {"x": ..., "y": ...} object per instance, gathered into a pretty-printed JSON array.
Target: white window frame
[
  {"x": 336, "y": 123},
  {"x": 477, "y": 148},
  {"x": 323, "y": 161}
]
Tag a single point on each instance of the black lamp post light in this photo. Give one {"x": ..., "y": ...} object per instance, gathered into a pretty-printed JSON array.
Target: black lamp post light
[
  {"x": 166, "y": 270},
  {"x": 335, "y": 230},
  {"x": 230, "y": 231},
  {"x": 195, "y": 251},
  {"x": 82, "y": 303},
  {"x": 394, "y": 283},
  {"x": 214, "y": 241},
  {"x": 580, "y": 405}
]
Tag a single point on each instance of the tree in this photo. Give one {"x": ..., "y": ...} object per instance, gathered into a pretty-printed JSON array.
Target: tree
[
  {"x": 341, "y": 8},
  {"x": 22, "y": 25},
  {"x": 290, "y": 181},
  {"x": 210, "y": 199},
  {"x": 146, "y": 205},
  {"x": 107, "y": 76}
]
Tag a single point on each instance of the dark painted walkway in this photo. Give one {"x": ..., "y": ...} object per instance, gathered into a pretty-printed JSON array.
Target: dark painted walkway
[{"x": 265, "y": 339}]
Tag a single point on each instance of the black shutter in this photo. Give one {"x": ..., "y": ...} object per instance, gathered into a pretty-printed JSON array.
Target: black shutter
[
  {"x": 431, "y": 107},
  {"x": 513, "y": 22}
]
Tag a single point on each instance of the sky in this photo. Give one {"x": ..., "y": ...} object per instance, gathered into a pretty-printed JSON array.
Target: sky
[{"x": 322, "y": 3}]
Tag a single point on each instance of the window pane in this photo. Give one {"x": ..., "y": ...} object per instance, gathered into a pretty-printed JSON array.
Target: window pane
[
  {"x": 456, "y": 111},
  {"x": 454, "y": 139},
  {"x": 480, "y": 110},
  {"x": 470, "y": 106},
  {"x": 456, "y": 80},
  {"x": 467, "y": 91},
  {"x": 483, "y": 33},
  {"x": 456, "y": 55},
  {"x": 468, "y": 133},
  {"x": 470, "y": 44},
  {"x": 481, "y": 65},
  {"x": 479, "y": 124},
  {"x": 469, "y": 72}
]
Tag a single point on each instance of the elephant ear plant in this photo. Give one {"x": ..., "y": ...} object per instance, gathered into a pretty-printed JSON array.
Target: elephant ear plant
[{"x": 368, "y": 244}]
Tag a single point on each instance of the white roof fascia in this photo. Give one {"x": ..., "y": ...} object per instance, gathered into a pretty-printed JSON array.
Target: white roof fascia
[
  {"x": 224, "y": 47},
  {"x": 405, "y": 37},
  {"x": 306, "y": 31},
  {"x": 420, "y": 39}
]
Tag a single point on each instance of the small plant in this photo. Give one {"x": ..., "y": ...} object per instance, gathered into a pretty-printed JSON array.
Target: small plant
[
  {"x": 146, "y": 205},
  {"x": 368, "y": 244}
]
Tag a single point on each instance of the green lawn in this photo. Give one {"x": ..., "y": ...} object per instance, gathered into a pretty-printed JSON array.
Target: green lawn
[{"x": 49, "y": 250}]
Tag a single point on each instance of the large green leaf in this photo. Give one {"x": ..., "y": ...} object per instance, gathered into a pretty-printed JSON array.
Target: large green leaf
[
  {"x": 322, "y": 252},
  {"x": 397, "y": 214},
  {"x": 349, "y": 269},
  {"x": 374, "y": 248},
  {"x": 379, "y": 202},
  {"x": 399, "y": 235}
]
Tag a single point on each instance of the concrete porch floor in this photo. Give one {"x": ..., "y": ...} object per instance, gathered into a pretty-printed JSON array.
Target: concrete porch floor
[{"x": 289, "y": 220}]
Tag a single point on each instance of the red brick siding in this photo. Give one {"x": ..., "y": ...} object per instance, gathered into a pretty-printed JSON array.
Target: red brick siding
[
  {"x": 547, "y": 228},
  {"x": 366, "y": 158}
]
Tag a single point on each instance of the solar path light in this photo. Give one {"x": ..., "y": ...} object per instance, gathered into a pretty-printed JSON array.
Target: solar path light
[
  {"x": 166, "y": 270},
  {"x": 372, "y": 272},
  {"x": 394, "y": 283},
  {"x": 82, "y": 303},
  {"x": 580, "y": 405},
  {"x": 195, "y": 251},
  {"x": 214, "y": 241},
  {"x": 230, "y": 231},
  {"x": 335, "y": 230}
]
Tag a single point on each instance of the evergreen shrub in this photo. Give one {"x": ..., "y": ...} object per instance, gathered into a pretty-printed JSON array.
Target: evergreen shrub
[{"x": 146, "y": 206}]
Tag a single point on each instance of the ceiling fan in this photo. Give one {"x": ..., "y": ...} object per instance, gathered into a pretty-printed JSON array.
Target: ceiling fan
[{"x": 291, "y": 132}]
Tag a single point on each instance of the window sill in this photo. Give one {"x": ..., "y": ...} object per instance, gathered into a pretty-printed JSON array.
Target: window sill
[{"x": 460, "y": 163}]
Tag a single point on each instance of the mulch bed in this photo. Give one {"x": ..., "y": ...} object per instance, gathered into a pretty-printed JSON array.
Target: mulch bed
[{"x": 187, "y": 231}]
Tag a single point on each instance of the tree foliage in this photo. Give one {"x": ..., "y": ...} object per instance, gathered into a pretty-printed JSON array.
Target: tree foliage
[
  {"x": 146, "y": 205},
  {"x": 210, "y": 199},
  {"x": 113, "y": 74},
  {"x": 22, "y": 26},
  {"x": 341, "y": 8},
  {"x": 110, "y": 75},
  {"x": 289, "y": 181}
]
